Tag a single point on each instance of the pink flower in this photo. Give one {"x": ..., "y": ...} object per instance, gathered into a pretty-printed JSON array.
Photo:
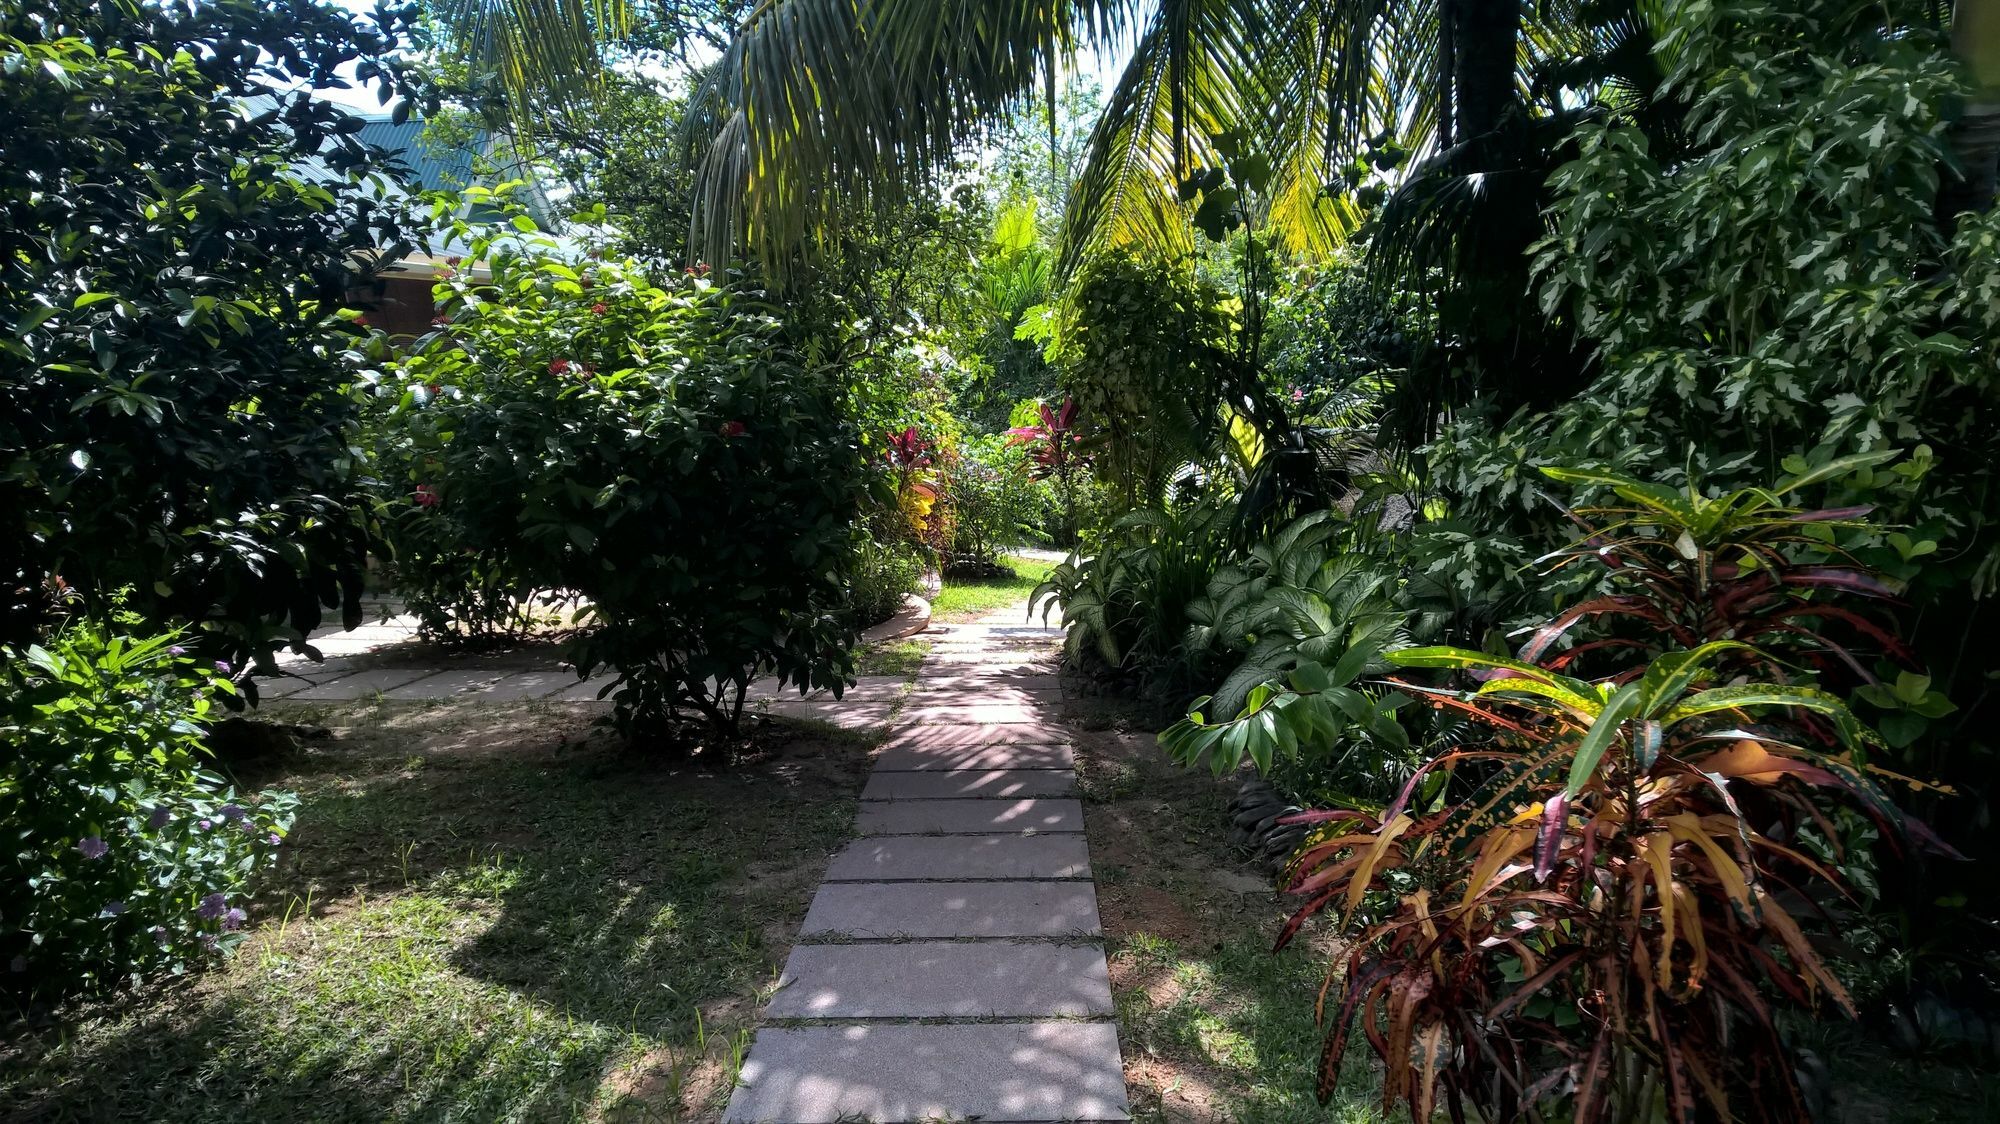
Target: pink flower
[
  {"x": 426, "y": 496},
  {"x": 734, "y": 429},
  {"x": 559, "y": 367},
  {"x": 453, "y": 260},
  {"x": 598, "y": 309}
]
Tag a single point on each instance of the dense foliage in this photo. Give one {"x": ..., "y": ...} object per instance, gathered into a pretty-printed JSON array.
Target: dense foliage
[
  {"x": 661, "y": 449},
  {"x": 126, "y": 854},
  {"x": 179, "y": 222}
]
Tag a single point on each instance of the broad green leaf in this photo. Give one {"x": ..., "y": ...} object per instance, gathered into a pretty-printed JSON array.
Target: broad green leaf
[{"x": 1590, "y": 750}]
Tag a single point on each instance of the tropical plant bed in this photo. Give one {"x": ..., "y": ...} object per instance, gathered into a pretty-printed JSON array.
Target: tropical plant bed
[
  {"x": 1216, "y": 1028},
  {"x": 484, "y": 912}
]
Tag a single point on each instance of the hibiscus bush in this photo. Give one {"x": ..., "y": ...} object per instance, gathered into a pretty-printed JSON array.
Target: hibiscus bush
[
  {"x": 127, "y": 854},
  {"x": 660, "y": 448}
]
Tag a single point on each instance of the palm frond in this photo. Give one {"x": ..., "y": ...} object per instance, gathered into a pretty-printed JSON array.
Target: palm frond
[{"x": 821, "y": 106}]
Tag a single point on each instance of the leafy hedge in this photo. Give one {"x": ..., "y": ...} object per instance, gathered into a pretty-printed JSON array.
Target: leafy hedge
[
  {"x": 176, "y": 393},
  {"x": 659, "y": 448}
]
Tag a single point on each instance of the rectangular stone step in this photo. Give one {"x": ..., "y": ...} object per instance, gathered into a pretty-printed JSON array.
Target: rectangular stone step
[
  {"x": 961, "y": 856},
  {"x": 968, "y": 817},
  {"x": 930, "y": 713},
  {"x": 985, "y": 784},
  {"x": 1017, "y": 1072},
  {"x": 945, "y": 979},
  {"x": 905, "y": 910},
  {"x": 362, "y": 684},
  {"x": 960, "y": 737},
  {"x": 909, "y": 758}
]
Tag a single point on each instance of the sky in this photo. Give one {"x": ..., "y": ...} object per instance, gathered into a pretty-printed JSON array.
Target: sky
[{"x": 1103, "y": 63}]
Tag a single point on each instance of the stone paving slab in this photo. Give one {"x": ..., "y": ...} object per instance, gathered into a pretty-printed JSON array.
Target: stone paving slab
[
  {"x": 488, "y": 684},
  {"x": 890, "y": 857},
  {"x": 968, "y": 737},
  {"x": 953, "y": 909},
  {"x": 987, "y": 784},
  {"x": 962, "y": 679},
  {"x": 942, "y": 980},
  {"x": 968, "y": 817},
  {"x": 916, "y": 758},
  {"x": 997, "y": 1072},
  {"x": 983, "y": 714},
  {"x": 361, "y": 684},
  {"x": 586, "y": 690}
]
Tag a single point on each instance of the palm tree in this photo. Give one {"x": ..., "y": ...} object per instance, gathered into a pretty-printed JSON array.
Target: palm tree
[{"x": 818, "y": 107}]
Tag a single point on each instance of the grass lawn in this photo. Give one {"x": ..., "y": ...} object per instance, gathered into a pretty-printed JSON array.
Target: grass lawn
[
  {"x": 489, "y": 914},
  {"x": 892, "y": 657},
  {"x": 965, "y": 599}
]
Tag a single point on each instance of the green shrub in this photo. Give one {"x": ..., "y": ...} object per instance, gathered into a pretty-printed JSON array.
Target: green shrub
[
  {"x": 176, "y": 403},
  {"x": 125, "y": 856},
  {"x": 883, "y": 573},
  {"x": 659, "y": 449},
  {"x": 997, "y": 500}
]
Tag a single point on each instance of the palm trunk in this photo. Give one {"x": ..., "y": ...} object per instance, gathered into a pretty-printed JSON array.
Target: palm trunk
[
  {"x": 1484, "y": 36},
  {"x": 1975, "y": 137}
]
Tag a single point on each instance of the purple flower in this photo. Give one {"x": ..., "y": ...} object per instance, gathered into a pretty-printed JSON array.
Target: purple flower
[
  {"x": 274, "y": 839},
  {"x": 211, "y": 907},
  {"x": 222, "y": 666},
  {"x": 93, "y": 848},
  {"x": 206, "y": 824},
  {"x": 232, "y": 813},
  {"x": 233, "y": 920},
  {"x": 161, "y": 814},
  {"x": 112, "y": 909},
  {"x": 177, "y": 650}
]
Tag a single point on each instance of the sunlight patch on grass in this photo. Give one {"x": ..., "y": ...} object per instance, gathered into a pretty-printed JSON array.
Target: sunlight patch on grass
[
  {"x": 965, "y": 599},
  {"x": 518, "y": 935}
]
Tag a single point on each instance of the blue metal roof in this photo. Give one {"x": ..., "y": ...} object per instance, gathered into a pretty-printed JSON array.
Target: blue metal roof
[{"x": 432, "y": 166}]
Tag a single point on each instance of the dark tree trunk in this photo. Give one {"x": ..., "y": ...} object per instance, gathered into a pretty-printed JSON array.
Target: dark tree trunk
[
  {"x": 1975, "y": 137},
  {"x": 1484, "y": 37}
]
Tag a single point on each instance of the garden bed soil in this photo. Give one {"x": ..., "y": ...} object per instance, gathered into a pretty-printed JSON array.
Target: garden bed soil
[{"x": 485, "y": 911}]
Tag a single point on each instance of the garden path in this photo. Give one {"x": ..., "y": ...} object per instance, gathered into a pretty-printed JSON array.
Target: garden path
[{"x": 951, "y": 965}]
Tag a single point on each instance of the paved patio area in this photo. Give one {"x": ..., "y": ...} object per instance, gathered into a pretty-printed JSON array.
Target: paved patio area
[{"x": 385, "y": 659}]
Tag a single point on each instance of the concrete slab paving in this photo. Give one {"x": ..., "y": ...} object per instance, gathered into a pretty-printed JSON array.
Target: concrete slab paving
[
  {"x": 966, "y": 737},
  {"x": 362, "y": 684},
  {"x": 1040, "y": 1071},
  {"x": 970, "y": 784},
  {"x": 921, "y": 713},
  {"x": 903, "y": 857},
  {"x": 917, "y": 758},
  {"x": 967, "y": 898},
  {"x": 942, "y": 979},
  {"x": 968, "y": 817},
  {"x": 904, "y": 910}
]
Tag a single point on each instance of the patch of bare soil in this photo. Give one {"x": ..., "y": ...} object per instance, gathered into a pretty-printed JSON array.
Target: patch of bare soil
[{"x": 1164, "y": 874}]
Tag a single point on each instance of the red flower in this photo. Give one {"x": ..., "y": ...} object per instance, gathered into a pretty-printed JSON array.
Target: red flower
[
  {"x": 435, "y": 389},
  {"x": 734, "y": 429},
  {"x": 361, "y": 320},
  {"x": 440, "y": 321},
  {"x": 559, "y": 367},
  {"x": 599, "y": 309},
  {"x": 426, "y": 496}
]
